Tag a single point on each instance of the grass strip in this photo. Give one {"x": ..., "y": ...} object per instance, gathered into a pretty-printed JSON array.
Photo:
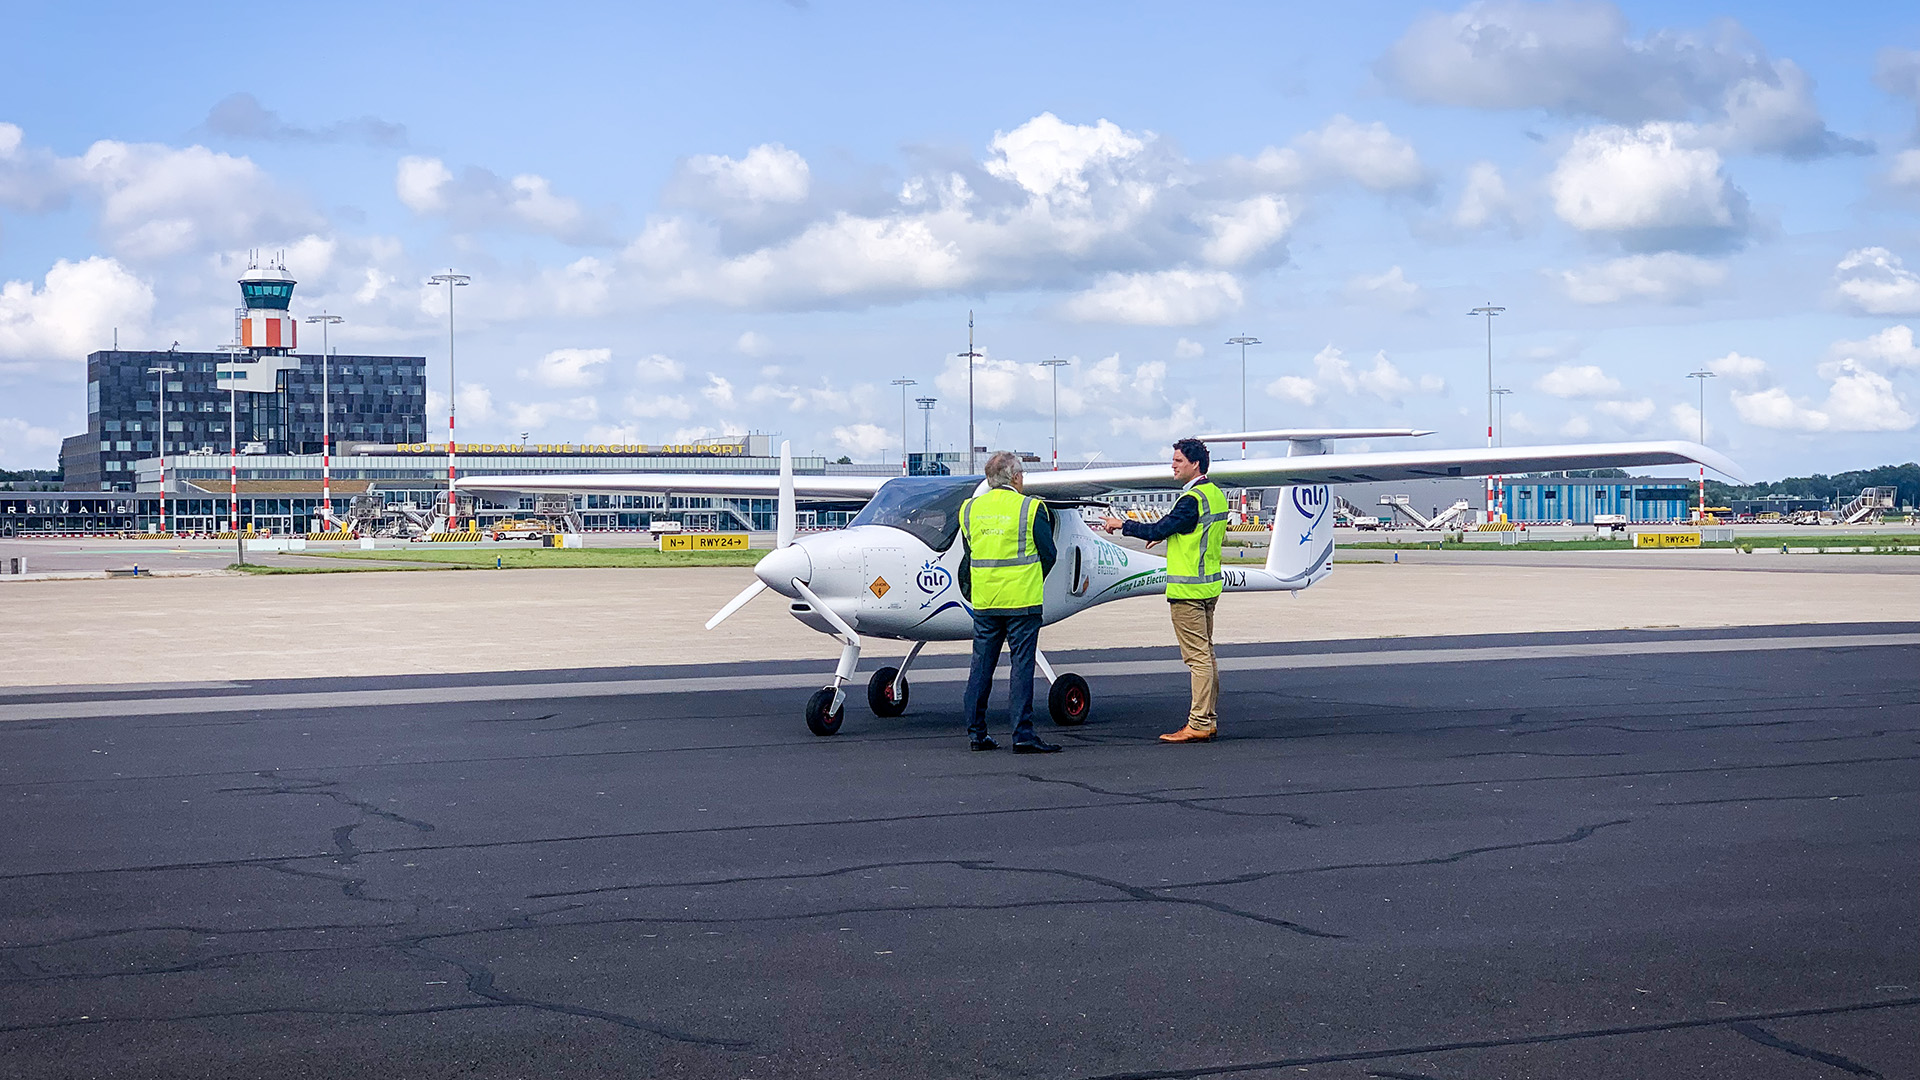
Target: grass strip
[{"x": 546, "y": 558}]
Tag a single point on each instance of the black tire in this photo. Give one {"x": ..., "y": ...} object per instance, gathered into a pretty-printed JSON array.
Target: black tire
[
  {"x": 1070, "y": 701},
  {"x": 880, "y": 693},
  {"x": 819, "y": 720}
]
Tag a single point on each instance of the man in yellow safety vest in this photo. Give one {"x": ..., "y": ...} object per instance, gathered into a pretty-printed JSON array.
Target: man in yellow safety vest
[
  {"x": 1010, "y": 549},
  {"x": 1193, "y": 530}
]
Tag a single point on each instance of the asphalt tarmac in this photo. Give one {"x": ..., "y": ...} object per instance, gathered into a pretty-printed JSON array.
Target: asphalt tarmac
[{"x": 1621, "y": 854}]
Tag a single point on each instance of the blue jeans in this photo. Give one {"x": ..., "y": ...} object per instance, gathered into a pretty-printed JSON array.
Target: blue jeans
[{"x": 1021, "y": 635}]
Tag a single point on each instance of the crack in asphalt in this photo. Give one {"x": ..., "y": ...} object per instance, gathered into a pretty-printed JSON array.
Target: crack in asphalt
[
  {"x": 1191, "y": 804},
  {"x": 1573, "y": 837},
  {"x": 890, "y": 819},
  {"x": 480, "y": 983},
  {"x": 1384, "y": 1053},
  {"x": 1767, "y": 1038}
]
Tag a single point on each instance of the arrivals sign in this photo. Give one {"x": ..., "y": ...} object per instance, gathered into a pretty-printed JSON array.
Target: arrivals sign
[
  {"x": 1666, "y": 540},
  {"x": 655, "y": 449},
  {"x": 704, "y": 542}
]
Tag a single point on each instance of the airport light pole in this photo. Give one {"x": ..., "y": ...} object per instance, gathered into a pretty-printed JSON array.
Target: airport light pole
[
  {"x": 1243, "y": 341},
  {"x": 1702, "y": 375},
  {"x": 1055, "y": 365},
  {"x": 1494, "y": 492},
  {"x": 926, "y": 430},
  {"x": 326, "y": 415},
  {"x": 163, "y": 372},
  {"x": 971, "y": 354},
  {"x": 903, "y": 383},
  {"x": 1500, "y": 415},
  {"x": 450, "y": 280},
  {"x": 234, "y": 352}
]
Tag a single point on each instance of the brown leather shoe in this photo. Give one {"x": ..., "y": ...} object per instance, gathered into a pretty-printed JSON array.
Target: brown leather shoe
[{"x": 1187, "y": 734}]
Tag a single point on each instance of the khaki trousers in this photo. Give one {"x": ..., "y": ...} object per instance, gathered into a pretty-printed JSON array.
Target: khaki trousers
[{"x": 1193, "y": 628}]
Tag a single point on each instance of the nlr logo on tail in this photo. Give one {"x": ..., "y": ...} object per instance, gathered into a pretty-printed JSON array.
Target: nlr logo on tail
[{"x": 1311, "y": 503}]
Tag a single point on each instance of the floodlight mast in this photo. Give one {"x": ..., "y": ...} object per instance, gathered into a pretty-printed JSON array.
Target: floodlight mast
[
  {"x": 450, "y": 279},
  {"x": 234, "y": 352},
  {"x": 1500, "y": 416},
  {"x": 926, "y": 430},
  {"x": 326, "y": 418},
  {"x": 903, "y": 383},
  {"x": 1243, "y": 341},
  {"x": 1494, "y": 486},
  {"x": 971, "y": 354},
  {"x": 1702, "y": 375},
  {"x": 1055, "y": 365}
]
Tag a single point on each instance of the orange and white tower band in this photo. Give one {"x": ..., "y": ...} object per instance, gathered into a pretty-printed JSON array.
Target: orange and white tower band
[{"x": 265, "y": 323}]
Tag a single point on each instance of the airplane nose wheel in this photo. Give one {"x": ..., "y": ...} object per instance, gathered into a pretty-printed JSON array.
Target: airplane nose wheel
[
  {"x": 822, "y": 717},
  {"x": 1070, "y": 701},
  {"x": 880, "y": 693}
]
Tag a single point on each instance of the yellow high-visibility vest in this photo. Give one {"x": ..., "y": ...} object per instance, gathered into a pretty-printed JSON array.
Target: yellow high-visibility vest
[
  {"x": 1005, "y": 562},
  {"x": 1193, "y": 558}
]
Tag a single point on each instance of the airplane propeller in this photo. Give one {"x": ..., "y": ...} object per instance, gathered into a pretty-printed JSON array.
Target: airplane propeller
[{"x": 786, "y": 523}]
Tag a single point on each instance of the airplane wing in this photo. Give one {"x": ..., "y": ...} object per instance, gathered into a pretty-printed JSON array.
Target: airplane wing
[
  {"x": 1386, "y": 465},
  {"x": 750, "y": 485}
]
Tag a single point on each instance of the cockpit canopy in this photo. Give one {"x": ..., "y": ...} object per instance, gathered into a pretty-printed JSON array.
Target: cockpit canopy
[{"x": 926, "y": 506}]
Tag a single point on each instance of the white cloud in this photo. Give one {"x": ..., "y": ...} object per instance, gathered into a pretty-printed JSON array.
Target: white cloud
[
  {"x": 1188, "y": 350},
  {"x": 1652, "y": 187},
  {"x": 1575, "y": 58},
  {"x": 567, "y": 368},
  {"x": 475, "y": 400},
  {"x": 1052, "y": 159},
  {"x": 24, "y": 445},
  {"x": 1745, "y": 369},
  {"x": 156, "y": 201},
  {"x": 1164, "y": 298},
  {"x": 1875, "y": 281},
  {"x": 864, "y": 440},
  {"x": 1390, "y": 290},
  {"x": 1368, "y": 154},
  {"x": 1245, "y": 230},
  {"x": 1685, "y": 420},
  {"x": 71, "y": 314},
  {"x": 421, "y": 182},
  {"x": 659, "y": 367},
  {"x": 1857, "y": 400},
  {"x": 478, "y": 199},
  {"x": 536, "y": 415},
  {"x": 1333, "y": 373},
  {"x": 1905, "y": 171},
  {"x": 1893, "y": 347},
  {"x": 1575, "y": 427},
  {"x": 1484, "y": 201},
  {"x": 1667, "y": 277},
  {"x": 1631, "y": 413},
  {"x": 769, "y": 173},
  {"x": 752, "y": 344},
  {"x": 1578, "y": 381},
  {"x": 671, "y": 406},
  {"x": 718, "y": 391}
]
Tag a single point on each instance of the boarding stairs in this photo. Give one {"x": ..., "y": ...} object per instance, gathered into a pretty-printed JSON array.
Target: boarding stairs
[
  {"x": 1868, "y": 504},
  {"x": 1403, "y": 505}
]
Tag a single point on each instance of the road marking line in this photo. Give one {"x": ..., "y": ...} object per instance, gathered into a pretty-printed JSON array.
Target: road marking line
[{"x": 443, "y": 695}]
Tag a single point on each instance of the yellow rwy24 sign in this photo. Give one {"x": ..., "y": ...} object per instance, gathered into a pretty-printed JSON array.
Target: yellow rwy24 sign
[
  {"x": 1666, "y": 540},
  {"x": 703, "y": 542}
]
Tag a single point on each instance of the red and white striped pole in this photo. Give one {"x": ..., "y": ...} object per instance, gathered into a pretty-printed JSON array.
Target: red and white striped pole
[
  {"x": 163, "y": 372},
  {"x": 1493, "y": 482},
  {"x": 326, "y": 418},
  {"x": 450, "y": 279},
  {"x": 1702, "y": 375}
]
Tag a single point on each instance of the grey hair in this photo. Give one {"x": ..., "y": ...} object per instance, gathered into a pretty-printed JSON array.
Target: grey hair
[{"x": 1003, "y": 468}]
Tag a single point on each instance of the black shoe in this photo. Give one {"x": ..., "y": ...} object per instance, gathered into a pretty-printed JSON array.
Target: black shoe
[
  {"x": 984, "y": 742},
  {"x": 1035, "y": 746}
]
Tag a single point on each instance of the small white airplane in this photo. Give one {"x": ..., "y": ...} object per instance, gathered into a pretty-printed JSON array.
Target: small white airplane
[{"x": 893, "y": 572}]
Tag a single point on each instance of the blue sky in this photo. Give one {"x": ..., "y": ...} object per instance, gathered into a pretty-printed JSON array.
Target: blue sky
[{"x": 690, "y": 219}]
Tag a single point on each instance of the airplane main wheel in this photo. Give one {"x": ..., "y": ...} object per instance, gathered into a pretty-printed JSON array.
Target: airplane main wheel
[
  {"x": 1070, "y": 701},
  {"x": 880, "y": 693},
  {"x": 819, "y": 720}
]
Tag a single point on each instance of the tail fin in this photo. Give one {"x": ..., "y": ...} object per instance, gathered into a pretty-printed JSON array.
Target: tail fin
[{"x": 1300, "y": 551}]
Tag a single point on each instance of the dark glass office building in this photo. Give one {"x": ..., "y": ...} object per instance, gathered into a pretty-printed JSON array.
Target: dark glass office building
[{"x": 373, "y": 399}]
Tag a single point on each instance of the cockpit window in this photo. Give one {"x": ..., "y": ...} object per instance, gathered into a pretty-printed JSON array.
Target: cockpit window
[{"x": 926, "y": 506}]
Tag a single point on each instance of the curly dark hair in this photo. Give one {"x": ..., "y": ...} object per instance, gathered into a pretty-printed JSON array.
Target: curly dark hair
[{"x": 1195, "y": 451}]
